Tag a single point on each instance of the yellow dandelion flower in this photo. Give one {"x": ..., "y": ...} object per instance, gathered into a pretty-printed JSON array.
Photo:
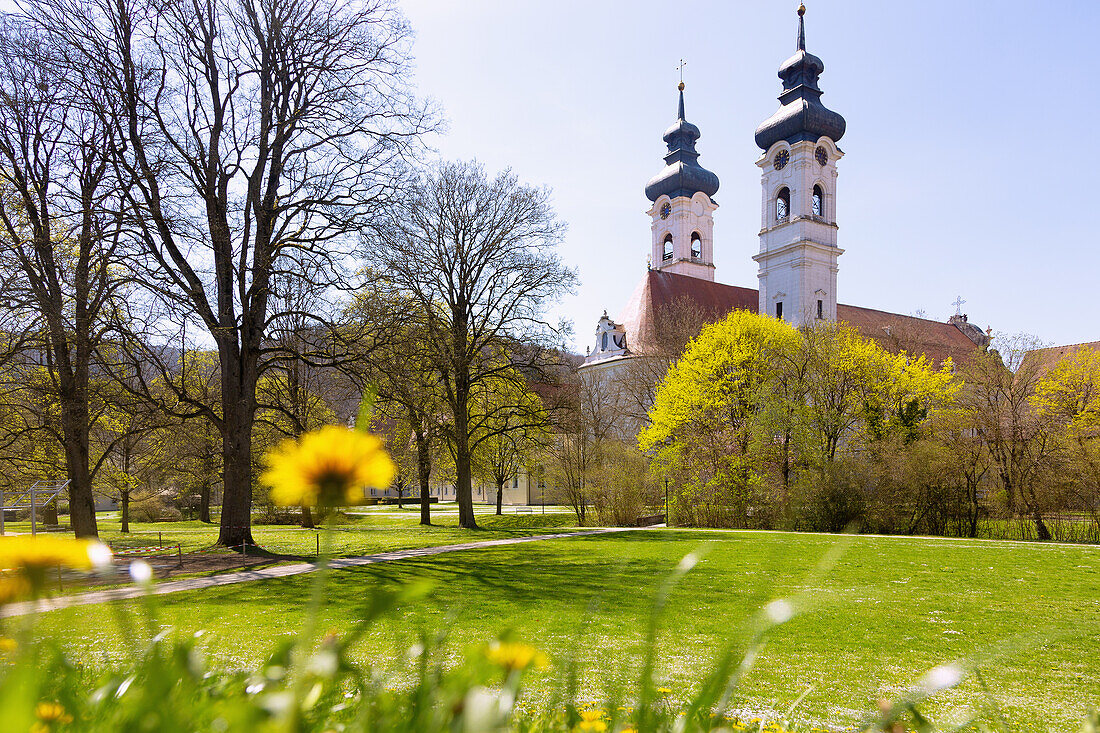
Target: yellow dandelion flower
[
  {"x": 36, "y": 553},
  {"x": 7, "y": 646},
  {"x": 330, "y": 467},
  {"x": 52, "y": 712},
  {"x": 664, "y": 690},
  {"x": 590, "y": 715},
  {"x": 513, "y": 656},
  {"x": 595, "y": 726}
]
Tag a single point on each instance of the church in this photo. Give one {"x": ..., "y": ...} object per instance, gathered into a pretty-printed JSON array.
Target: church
[{"x": 798, "y": 255}]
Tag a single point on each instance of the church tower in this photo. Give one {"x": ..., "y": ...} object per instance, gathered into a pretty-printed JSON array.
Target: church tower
[
  {"x": 683, "y": 208},
  {"x": 798, "y": 243}
]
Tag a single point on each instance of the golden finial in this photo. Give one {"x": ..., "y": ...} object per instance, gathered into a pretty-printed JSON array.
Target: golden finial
[
  {"x": 801, "y": 9},
  {"x": 681, "y": 86}
]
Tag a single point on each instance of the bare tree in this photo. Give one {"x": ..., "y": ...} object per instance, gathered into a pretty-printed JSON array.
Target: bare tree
[
  {"x": 60, "y": 240},
  {"x": 478, "y": 257},
  {"x": 675, "y": 324},
  {"x": 293, "y": 397},
  {"x": 589, "y": 420},
  {"x": 252, "y": 136},
  {"x": 1000, "y": 399}
]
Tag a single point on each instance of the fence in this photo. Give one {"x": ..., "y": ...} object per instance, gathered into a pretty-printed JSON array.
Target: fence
[{"x": 33, "y": 497}]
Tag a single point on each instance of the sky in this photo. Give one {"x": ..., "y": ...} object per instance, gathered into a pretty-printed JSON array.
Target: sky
[{"x": 969, "y": 143}]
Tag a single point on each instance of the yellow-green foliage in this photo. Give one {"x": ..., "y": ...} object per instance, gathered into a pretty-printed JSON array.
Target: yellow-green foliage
[
  {"x": 1071, "y": 391},
  {"x": 722, "y": 377},
  {"x": 753, "y": 399},
  {"x": 1069, "y": 394}
]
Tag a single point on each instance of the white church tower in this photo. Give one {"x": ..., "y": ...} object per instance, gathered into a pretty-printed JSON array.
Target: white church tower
[
  {"x": 682, "y": 214},
  {"x": 798, "y": 243}
]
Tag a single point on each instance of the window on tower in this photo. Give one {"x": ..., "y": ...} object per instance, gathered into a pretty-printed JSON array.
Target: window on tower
[
  {"x": 779, "y": 310},
  {"x": 783, "y": 205},
  {"x": 820, "y": 310},
  {"x": 667, "y": 255},
  {"x": 696, "y": 246},
  {"x": 819, "y": 201}
]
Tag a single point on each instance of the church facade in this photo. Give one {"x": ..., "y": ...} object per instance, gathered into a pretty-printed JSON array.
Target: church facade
[{"x": 798, "y": 245}]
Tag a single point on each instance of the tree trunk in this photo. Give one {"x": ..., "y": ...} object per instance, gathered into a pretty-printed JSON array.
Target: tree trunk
[
  {"x": 973, "y": 509},
  {"x": 74, "y": 423},
  {"x": 206, "y": 487},
  {"x": 424, "y": 473},
  {"x": 1041, "y": 530},
  {"x": 49, "y": 514},
  {"x": 400, "y": 493},
  {"x": 500, "y": 495},
  {"x": 235, "y": 529},
  {"x": 124, "y": 501},
  {"x": 204, "y": 500},
  {"x": 464, "y": 486}
]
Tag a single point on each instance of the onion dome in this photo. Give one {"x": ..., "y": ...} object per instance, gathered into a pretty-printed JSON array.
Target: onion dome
[
  {"x": 682, "y": 175},
  {"x": 801, "y": 116}
]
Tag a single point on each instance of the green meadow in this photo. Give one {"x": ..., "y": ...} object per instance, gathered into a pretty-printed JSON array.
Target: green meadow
[
  {"x": 365, "y": 531},
  {"x": 873, "y": 615}
]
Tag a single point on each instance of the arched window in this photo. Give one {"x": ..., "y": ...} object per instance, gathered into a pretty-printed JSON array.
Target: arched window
[
  {"x": 783, "y": 205},
  {"x": 603, "y": 342},
  {"x": 696, "y": 246},
  {"x": 818, "y": 203},
  {"x": 668, "y": 249}
]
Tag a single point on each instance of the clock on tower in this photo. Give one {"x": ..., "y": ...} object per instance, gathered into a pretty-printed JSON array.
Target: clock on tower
[{"x": 798, "y": 242}]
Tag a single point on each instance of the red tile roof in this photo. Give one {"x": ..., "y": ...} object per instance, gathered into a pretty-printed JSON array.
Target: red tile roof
[
  {"x": 1044, "y": 359},
  {"x": 895, "y": 332}
]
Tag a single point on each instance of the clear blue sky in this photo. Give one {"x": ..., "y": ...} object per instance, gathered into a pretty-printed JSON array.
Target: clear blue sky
[{"x": 971, "y": 148}]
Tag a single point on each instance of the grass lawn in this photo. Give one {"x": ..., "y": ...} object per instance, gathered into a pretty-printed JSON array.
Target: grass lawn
[
  {"x": 366, "y": 531},
  {"x": 888, "y": 610}
]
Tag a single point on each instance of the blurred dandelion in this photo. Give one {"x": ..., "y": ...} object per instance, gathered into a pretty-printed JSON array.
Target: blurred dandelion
[{"x": 327, "y": 467}]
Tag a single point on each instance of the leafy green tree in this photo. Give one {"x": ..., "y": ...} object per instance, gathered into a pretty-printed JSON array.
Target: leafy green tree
[
  {"x": 754, "y": 399},
  {"x": 711, "y": 417},
  {"x": 394, "y": 362},
  {"x": 511, "y": 424},
  {"x": 143, "y": 446},
  {"x": 1070, "y": 394}
]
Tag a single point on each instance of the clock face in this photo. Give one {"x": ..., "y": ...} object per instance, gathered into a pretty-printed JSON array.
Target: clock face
[
  {"x": 666, "y": 210},
  {"x": 822, "y": 155},
  {"x": 781, "y": 159}
]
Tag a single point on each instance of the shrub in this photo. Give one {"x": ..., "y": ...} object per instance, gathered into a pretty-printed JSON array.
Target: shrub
[
  {"x": 153, "y": 509},
  {"x": 622, "y": 488},
  {"x": 833, "y": 498}
]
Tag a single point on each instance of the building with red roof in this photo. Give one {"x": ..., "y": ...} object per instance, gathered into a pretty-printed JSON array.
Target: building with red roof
[{"x": 798, "y": 257}]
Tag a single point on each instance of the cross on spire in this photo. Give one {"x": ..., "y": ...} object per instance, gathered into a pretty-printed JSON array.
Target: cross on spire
[
  {"x": 680, "y": 68},
  {"x": 958, "y": 303},
  {"x": 801, "y": 28}
]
